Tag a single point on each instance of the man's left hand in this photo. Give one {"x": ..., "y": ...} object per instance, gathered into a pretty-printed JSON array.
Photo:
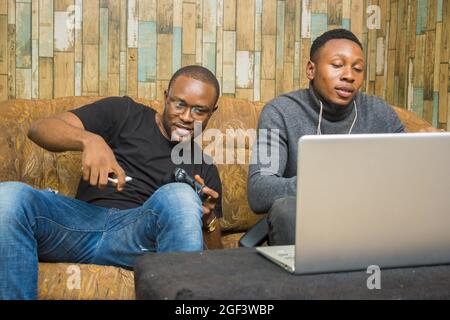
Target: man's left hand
[{"x": 210, "y": 202}]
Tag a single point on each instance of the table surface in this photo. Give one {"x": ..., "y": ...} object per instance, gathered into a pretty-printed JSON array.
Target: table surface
[{"x": 244, "y": 274}]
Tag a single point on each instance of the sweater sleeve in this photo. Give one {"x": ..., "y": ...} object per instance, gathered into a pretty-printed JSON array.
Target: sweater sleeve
[{"x": 265, "y": 182}]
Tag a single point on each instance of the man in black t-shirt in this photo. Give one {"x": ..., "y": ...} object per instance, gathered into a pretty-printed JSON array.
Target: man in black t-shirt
[{"x": 112, "y": 223}]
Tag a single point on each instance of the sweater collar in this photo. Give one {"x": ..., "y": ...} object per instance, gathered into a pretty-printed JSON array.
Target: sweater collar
[{"x": 331, "y": 112}]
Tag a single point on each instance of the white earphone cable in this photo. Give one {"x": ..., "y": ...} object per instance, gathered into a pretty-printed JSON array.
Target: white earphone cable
[{"x": 319, "y": 131}]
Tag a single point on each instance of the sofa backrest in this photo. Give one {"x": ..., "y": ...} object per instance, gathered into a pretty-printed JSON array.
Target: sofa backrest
[{"x": 22, "y": 160}]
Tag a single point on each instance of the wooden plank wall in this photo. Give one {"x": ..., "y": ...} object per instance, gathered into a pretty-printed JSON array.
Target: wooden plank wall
[{"x": 257, "y": 48}]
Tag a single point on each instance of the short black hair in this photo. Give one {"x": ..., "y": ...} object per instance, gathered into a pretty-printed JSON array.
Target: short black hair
[
  {"x": 330, "y": 35},
  {"x": 198, "y": 73}
]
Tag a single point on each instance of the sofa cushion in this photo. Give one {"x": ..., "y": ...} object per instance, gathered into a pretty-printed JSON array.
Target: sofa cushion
[{"x": 59, "y": 281}]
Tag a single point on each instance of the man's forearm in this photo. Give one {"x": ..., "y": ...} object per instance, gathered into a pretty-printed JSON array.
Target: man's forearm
[
  {"x": 56, "y": 135},
  {"x": 263, "y": 190}
]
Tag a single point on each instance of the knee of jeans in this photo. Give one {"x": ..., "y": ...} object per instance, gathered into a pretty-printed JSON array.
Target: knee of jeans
[
  {"x": 283, "y": 209},
  {"x": 177, "y": 195},
  {"x": 12, "y": 197},
  {"x": 178, "y": 203}
]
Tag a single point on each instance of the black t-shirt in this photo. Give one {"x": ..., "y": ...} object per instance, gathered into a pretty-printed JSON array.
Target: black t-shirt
[{"x": 130, "y": 129}]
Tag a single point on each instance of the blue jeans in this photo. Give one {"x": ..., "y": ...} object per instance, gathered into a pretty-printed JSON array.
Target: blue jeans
[{"x": 40, "y": 225}]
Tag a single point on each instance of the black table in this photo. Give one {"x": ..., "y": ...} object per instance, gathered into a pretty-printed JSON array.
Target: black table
[{"x": 244, "y": 274}]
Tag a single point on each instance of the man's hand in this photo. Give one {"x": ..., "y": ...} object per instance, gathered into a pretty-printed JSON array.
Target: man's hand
[
  {"x": 210, "y": 203},
  {"x": 431, "y": 129},
  {"x": 98, "y": 162}
]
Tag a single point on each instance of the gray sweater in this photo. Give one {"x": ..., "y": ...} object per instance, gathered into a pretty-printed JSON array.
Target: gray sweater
[{"x": 296, "y": 114}]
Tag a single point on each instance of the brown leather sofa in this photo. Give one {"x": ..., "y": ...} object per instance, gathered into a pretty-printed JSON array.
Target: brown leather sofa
[{"x": 22, "y": 160}]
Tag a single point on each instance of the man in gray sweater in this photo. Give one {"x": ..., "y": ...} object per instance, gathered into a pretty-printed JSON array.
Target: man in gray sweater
[{"x": 331, "y": 105}]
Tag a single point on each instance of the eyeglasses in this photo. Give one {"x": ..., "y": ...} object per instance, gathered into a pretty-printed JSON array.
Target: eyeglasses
[{"x": 179, "y": 107}]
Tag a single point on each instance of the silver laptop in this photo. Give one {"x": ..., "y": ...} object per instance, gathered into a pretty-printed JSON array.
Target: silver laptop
[{"x": 370, "y": 199}]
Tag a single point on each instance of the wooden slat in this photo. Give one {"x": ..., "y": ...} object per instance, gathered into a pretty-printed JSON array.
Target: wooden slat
[
  {"x": 319, "y": 7},
  {"x": 164, "y": 16},
  {"x": 35, "y": 69},
  {"x": 147, "y": 51},
  {"x": 90, "y": 75},
  {"x": 357, "y": 11},
  {"x": 428, "y": 110},
  {"x": 430, "y": 45},
  {"x": 229, "y": 62},
  {"x": 305, "y": 47},
  {"x": 244, "y": 94},
  {"x": 245, "y": 26},
  {"x": 390, "y": 76},
  {"x": 45, "y": 78},
  {"x": 177, "y": 48},
  {"x": 147, "y": 10},
  {"x": 63, "y": 73},
  {"x": 187, "y": 59},
  {"x": 178, "y": 13},
  {"x": 199, "y": 13},
  {"x": 91, "y": 18},
  {"x": 161, "y": 86},
  {"x": 288, "y": 77},
  {"x": 289, "y": 32},
  {"x": 3, "y": 87},
  {"x": 113, "y": 84},
  {"x": 334, "y": 12},
  {"x": 12, "y": 11},
  {"x": 419, "y": 61},
  {"x": 123, "y": 25},
  {"x": 103, "y": 51},
  {"x": 78, "y": 31},
  {"x": 114, "y": 42},
  {"x": 244, "y": 69},
  {"x": 445, "y": 42},
  {"x": 164, "y": 56},
  {"x": 209, "y": 56},
  {"x": 412, "y": 17},
  {"x": 267, "y": 90},
  {"x": 279, "y": 54},
  {"x": 268, "y": 54},
  {"x": 437, "y": 59},
  {"x": 382, "y": 4},
  {"x": 34, "y": 19},
  {"x": 62, "y": 5},
  {"x": 132, "y": 25},
  {"x": 198, "y": 45},
  {"x": 257, "y": 77},
  {"x": 123, "y": 73},
  {"x": 269, "y": 23},
  {"x": 23, "y": 83},
  {"x": 23, "y": 38},
  {"x": 132, "y": 72},
  {"x": 64, "y": 34},
  {"x": 77, "y": 80},
  {"x": 306, "y": 19},
  {"x": 189, "y": 28},
  {"x": 4, "y": 7},
  {"x": 3, "y": 44},
  {"x": 443, "y": 93},
  {"x": 229, "y": 15},
  {"x": 144, "y": 90},
  {"x": 46, "y": 28},
  {"x": 209, "y": 20},
  {"x": 11, "y": 60}
]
